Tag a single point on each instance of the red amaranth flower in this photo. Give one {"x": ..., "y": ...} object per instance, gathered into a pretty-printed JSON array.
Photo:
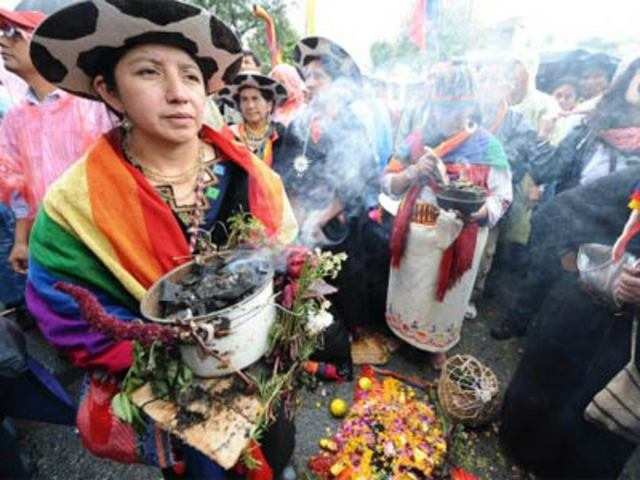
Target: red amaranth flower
[
  {"x": 296, "y": 258},
  {"x": 289, "y": 293},
  {"x": 100, "y": 320}
]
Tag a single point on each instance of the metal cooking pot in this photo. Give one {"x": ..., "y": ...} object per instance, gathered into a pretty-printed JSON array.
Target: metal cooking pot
[{"x": 598, "y": 272}]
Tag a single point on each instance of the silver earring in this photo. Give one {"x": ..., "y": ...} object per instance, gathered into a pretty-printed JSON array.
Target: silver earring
[{"x": 126, "y": 124}]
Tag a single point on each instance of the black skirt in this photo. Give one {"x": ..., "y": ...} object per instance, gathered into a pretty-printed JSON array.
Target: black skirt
[
  {"x": 574, "y": 345},
  {"x": 573, "y": 349}
]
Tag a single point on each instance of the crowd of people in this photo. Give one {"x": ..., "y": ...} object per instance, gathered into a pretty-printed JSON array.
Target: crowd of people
[{"x": 123, "y": 140}]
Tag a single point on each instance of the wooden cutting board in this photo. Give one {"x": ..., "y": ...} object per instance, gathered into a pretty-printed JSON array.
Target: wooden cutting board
[{"x": 224, "y": 435}]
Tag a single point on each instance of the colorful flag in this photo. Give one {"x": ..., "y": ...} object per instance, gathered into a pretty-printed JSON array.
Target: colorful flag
[
  {"x": 424, "y": 21},
  {"x": 272, "y": 38},
  {"x": 311, "y": 17},
  {"x": 418, "y": 25}
]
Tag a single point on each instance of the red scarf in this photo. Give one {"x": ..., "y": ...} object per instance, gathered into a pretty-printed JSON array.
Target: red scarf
[
  {"x": 400, "y": 231},
  {"x": 267, "y": 198},
  {"x": 458, "y": 258},
  {"x": 626, "y": 140}
]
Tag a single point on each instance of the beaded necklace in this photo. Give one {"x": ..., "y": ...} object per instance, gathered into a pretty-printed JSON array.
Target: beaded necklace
[
  {"x": 197, "y": 216},
  {"x": 254, "y": 139}
]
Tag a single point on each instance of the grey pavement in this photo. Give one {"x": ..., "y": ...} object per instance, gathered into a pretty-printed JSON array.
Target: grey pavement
[{"x": 56, "y": 452}]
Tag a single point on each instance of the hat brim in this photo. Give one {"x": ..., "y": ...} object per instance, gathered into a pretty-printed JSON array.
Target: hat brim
[
  {"x": 230, "y": 93},
  {"x": 27, "y": 20},
  {"x": 70, "y": 54},
  {"x": 312, "y": 48}
]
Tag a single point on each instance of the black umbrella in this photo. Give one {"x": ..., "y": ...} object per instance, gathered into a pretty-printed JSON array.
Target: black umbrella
[
  {"x": 44, "y": 6},
  {"x": 555, "y": 66},
  {"x": 602, "y": 61}
]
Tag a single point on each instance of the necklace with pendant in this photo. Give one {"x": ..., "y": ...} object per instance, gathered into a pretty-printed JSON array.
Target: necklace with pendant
[
  {"x": 302, "y": 163},
  {"x": 198, "y": 213}
]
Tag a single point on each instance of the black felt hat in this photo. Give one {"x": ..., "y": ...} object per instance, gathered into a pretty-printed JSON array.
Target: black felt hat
[
  {"x": 70, "y": 47},
  {"x": 231, "y": 92},
  {"x": 313, "y": 48}
]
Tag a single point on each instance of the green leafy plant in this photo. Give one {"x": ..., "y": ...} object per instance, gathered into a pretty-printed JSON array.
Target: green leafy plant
[
  {"x": 162, "y": 368},
  {"x": 291, "y": 340},
  {"x": 244, "y": 228},
  {"x": 302, "y": 314}
]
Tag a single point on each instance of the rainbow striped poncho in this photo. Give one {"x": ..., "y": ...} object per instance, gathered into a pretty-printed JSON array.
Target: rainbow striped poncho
[
  {"x": 634, "y": 199},
  {"x": 104, "y": 227}
]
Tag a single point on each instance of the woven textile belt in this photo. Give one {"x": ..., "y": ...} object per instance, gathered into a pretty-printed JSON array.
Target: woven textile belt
[{"x": 425, "y": 214}]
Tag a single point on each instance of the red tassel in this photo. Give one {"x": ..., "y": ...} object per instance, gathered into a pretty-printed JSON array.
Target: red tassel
[
  {"x": 457, "y": 260},
  {"x": 444, "y": 272},
  {"x": 400, "y": 231}
]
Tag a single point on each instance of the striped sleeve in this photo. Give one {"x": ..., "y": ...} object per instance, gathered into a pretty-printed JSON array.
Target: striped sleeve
[
  {"x": 634, "y": 200},
  {"x": 57, "y": 256}
]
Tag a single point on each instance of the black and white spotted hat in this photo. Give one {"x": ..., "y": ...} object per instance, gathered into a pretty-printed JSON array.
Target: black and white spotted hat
[
  {"x": 312, "y": 48},
  {"x": 231, "y": 93},
  {"x": 70, "y": 46}
]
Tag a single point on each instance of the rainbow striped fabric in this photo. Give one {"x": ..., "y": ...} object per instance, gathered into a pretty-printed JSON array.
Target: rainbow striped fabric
[
  {"x": 103, "y": 226},
  {"x": 634, "y": 200}
]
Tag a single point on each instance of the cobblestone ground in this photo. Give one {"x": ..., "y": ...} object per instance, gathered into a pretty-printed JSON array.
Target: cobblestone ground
[{"x": 56, "y": 453}]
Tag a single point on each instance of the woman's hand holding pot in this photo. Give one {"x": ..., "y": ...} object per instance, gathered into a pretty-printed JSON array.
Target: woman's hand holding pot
[
  {"x": 480, "y": 216},
  {"x": 627, "y": 286}
]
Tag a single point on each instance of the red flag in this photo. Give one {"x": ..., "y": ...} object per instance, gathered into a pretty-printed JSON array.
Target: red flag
[{"x": 418, "y": 25}]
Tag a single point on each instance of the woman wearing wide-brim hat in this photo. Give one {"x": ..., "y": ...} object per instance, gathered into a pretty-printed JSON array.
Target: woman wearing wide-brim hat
[
  {"x": 328, "y": 164},
  {"x": 256, "y": 97},
  {"x": 327, "y": 143},
  {"x": 131, "y": 209}
]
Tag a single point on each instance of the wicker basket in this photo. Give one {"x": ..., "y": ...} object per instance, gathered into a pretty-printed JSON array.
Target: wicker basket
[{"x": 468, "y": 391}]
